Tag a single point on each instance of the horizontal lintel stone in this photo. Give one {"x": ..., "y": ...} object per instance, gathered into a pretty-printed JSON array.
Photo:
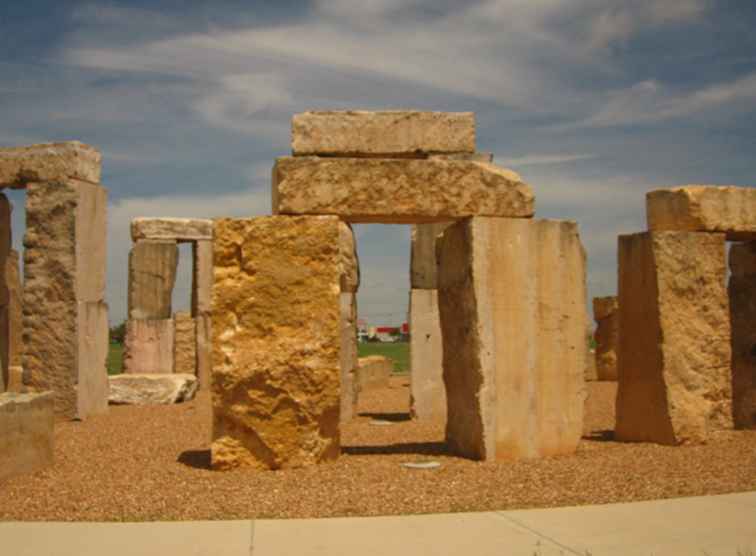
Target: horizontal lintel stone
[
  {"x": 49, "y": 162},
  {"x": 179, "y": 229}
]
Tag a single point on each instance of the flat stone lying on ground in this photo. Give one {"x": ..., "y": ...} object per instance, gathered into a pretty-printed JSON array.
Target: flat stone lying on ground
[
  {"x": 276, "y": 342},
  {"x": 151, "y": 389},
  {"x": 397, "y": 191},
  {"x": 606, "y": 315},
  {"x": 152, "y": 275},
  {"x": 674, "y": 349},
  {"x": 177, "y": 229},
  {"x": 26, "y": 432},
  {"x": 704, "y": 208},
  {"x": 383, "y": 133},
  {"x": 373, "y": 372},
  {"x": 505, "y": 278},
  {"x": 49, "y": 162},
  {"x": 149, "y": 346},
  {"x": 427, "y": 392}
]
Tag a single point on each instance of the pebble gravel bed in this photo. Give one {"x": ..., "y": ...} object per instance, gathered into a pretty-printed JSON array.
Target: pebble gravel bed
[{"x": 137, "y": 464}]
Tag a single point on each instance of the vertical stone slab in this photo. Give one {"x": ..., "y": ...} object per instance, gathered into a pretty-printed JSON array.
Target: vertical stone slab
[
  {"x": 674, "y": 355},
  {"x": 204, "y": 347},
  {"x": 152, "y": 275},
  {"x": 423, "y": 255},
  {"x": 606, "y": 315},
  {"x": 5, "y": 248},
  {"x": 348, "y": 355},
  {"x": 15, "y": 306},
  {"x": 276, "y": 342},
  {"x": 149, "y": 346},
  {"x": 742, "y": 293},
  {"x": 26, "y": 433},
  {"x": 185, "y": 344},
  {"x": 427, "y": 392},
  {"x": 512, "y": 305},
  {"x": 94, "y": 337},
  {"x": 202, "y": 285}
]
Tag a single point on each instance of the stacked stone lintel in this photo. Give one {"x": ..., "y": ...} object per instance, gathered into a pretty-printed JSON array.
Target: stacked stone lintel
[{"x": 65, "y": 324}]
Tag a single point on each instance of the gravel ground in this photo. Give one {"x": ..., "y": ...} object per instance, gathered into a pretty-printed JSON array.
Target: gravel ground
[{"x": 139, "y": 464}]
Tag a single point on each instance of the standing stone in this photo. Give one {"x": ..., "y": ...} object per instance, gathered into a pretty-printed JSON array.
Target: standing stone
[
  {"x": 202, "y": 286},
  {"x": 185, "y": 342},
  {"x": 26, "y": 433},
  {"x": 15, "y": 308},
  {"x": 674, "y": 350},
  {"x": 149, "y": 345},
  {"x": 373, "y": 372},
  {"x": 427, "y": 392},
  {"x": 5, "y": 248},
  {"x": 606, "y": 315},
  {"x": 742, "y": 292},
  {"x": 512, "y": 303},
  {"x": 348, "y": 260},
  {"x": 63, "y": 298},
  {"x": 348, "y": 356},
  {"x": 204, "y": 347},
  {"x": 152, "y": 275},
  {"x": 423, "y": 255},
  {"x": 276, "y": 342}
]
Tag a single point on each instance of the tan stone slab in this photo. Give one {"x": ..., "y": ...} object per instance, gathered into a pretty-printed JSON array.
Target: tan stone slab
[
  {"x": 152, "y": 275},
  {"x": 93, "y": 338},
  {"x": 704, "y": 208},
  {"x": 149, "y": 346},
  {"x": 276, "y": 342},
  {"x": 674, "y": 349},
  {"x": 202, "y": 277},
  {"x": 91, "y": 242},
  {"x": 350, "y": 263},
  {"x": 185, "y": 344},
  {"x": 151, "y": 389},
  {"x": 384, "y": 133},
  {"x": 397, "y": 191},
  {"x": 475, "y": 157},
  {"x": 348, "y": 355},
  {"x": 427, "y": 391},
  {"x": 204, "y": 350},
  {"x": 15, "y": 308},
  {"x": 15, "y": 379},
  {"x": 373, "y": 372},
  {"x": 512, "y": 303},
  {"x": 49, "y": 162},
  {"x": 606, "y": 315},
  {"x": 26, "y": 433},
  {"x": 423, "y": 255},
  {"x": 177, "y": 229},
  {"x": 742, "y": 293},
  {"x": 605, "y": 307}
]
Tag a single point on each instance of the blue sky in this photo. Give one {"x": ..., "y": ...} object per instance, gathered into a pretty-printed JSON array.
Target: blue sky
[{"x": 593, "y": 102}]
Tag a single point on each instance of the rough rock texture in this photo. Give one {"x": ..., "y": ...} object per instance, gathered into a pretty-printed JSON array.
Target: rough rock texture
[
  {"x": 423, "y": 273},
  {"x": 204, "y": 325},
  {"x": 15, "y": 379},
  {"x": 26, "y": 433},
  {"x": 149, "y": 389},
  {"x": 276, "y": 342},
  {"x": 742, "y": 293},
  {"x": 373, "y": 372},
  {"x": 350, "y": 263},
  {"x": 49, "y": 162},
  {"x": 64, "y": 284},
  {"x": 15, "y": 308},
  {"x": 476, "y": 157},
  {"x": 427, "y": 392},
  {"x": 512, "y": 303},
  {"x": 148, "y": 346},
  {"x": 704, "y": 208},
  {"x": 185, "y": 344},
  {"x": 177, "y": 229},
  {"x": 348, "y": 355},
  {"x": 674, "y": 351},
  {"x": 397, "y": 191},
  {"x": 152, "y": 275},
  {"x": 5, "y": 248},
  {"x": 606, "y": 315},
  {"x": 389, "y": 133}
]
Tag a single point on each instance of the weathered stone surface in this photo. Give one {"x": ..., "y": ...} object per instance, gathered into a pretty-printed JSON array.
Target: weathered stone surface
[
  {"x": 148, "y": 346},
  {"x": 276, "y": 342},
  {"x": 150, "y": 389},
  {"x": 397, "y": 191},
  {"x": 674, "y": 350},
  {"x": 15, "y": 379},
  {"x": 202, "y": 277},
  {"x": 423, "y": 255},
  {"x": 512, "y": 304},
  {"x": 350, "y": 264},
  {"x": 26, "y": 433},
  {"x": 386, "y": 133},
  {"x": 15, "y": 306},
  {"x": 742, "y": 293},
  {"x": 373, "y": 372},
  {"x": 606, "y": 315},
  {"x": 177, "y": 229},
  {"x": 5, "y": 247},
  {"x": 93, "y": 343},
  {"x": 49, "y": 162},
  {"x": 704, "y": 208},
  {"x": 64, "y": 271},
  {"x": 204, "y": 325},
  {"x": 475, "y": 157},
  {"x": 152, "y": 275},
  {"x": 427, "y": 392},
  {"x": 185, "y": 342},
  {"x": 348, "y": 355},
  {"x": 590, "y": 366}
]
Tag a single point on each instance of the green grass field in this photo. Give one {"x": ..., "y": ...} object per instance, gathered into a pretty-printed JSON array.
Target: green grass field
[
  {"x": 398, "y": 351},
  {"x": 115, "y": 359}
]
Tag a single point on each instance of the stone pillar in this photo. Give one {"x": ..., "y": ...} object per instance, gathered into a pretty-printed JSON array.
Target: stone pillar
[
  {"x": 606, "y": 315},
  {"x": 152, "y": 275},
  {"x": 26, "y": 433},
  {"x": 149, "y": 346},
  {"x": 202, "y": 285},
  {"x": 674, "y": 351},
  {"x": 276, "y": 342},
  {"x": 5, "y": 248},
  {"x": 349, "y": 283},
  {"x": 65, "y": 317},
  {"x": 512, "y": 303},
  {"x": 185, "y": 344},
  {"x": 742, "y": 292}
]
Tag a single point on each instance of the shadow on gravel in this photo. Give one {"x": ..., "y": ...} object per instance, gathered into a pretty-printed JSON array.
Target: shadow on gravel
[
  {"x": 423, "y": 448},
  {"x": 199, "y": 459},
  {"x": 393, "y": 417},
  {"x": 600, "y": 436}
]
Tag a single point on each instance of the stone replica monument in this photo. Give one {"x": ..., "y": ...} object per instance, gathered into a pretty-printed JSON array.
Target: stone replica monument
[
  {"x": 283, "y": 365},
  {"x": 606, "y": 315}
]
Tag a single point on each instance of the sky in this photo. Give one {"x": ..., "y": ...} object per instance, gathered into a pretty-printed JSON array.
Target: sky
[{"x": 592, "y": 102}]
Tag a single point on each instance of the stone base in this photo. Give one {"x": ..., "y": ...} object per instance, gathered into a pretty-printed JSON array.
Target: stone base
[
  {"x": 427, "y": 392},
  {"x": 136, "y": 389},
  {"x": 373, "y": 372},
  {"x": 26, "y": 433},
  {"x": 148, "y": 347}
]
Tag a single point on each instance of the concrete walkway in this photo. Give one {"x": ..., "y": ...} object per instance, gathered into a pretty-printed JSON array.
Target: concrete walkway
[{"x": 710, "y": 525}]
